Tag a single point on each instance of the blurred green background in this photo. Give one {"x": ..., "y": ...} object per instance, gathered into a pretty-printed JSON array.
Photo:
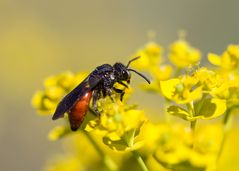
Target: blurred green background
[{"x": 39, "y": 38}]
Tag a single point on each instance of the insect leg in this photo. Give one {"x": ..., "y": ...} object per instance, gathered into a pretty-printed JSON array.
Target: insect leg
[
  {"x": 109, "y": 93},
  {"x": 121, "y": 92},
  {"x": 104, "y": 92},
  {"x": 96, "y": 96},
  {"x": 120, "y": 82}
]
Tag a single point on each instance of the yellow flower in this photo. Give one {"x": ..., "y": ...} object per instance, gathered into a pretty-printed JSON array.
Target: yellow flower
[
  {"x": 198, "y": 92},
  {"x": 182, "y": 90},
  {"x": 119, "y": 124},
  {"x": 78, "y": 154},
  {"x": 150, "y": 56},
  {"x": 229, "y": 60},
  {"x": 64, "y": 80},
  {"x": 183, "y": 55},
  {"x": 187, "y": 88},
  {"x": 207, "y": 78},
  {"x": 55, "y": 87},
  {"x": 65, "y": 163},
  {"x": 58, "y": 132},
  {"x": 175, "y": 150},
  {"x": 162, "y": 72},
  {"x": 228, "y": 64},
  {"x": 150, "y": 134}
]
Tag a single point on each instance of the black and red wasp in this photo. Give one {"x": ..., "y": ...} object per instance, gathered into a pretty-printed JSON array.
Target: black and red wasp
[{"x": 98, "y": 83}]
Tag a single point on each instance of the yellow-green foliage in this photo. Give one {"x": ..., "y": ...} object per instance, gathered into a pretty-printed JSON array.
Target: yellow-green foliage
[{"x": 124, "y": 138}]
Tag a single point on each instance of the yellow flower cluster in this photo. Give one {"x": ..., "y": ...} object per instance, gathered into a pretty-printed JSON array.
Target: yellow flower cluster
[
  {"x": 118, "y": 124},
  {"x": 55, "y": 87},
  {"x": 125, "y": 138},
  {"x": 176, "y": 150},
  {"x": 79, "y": 155},
  {"x": 229, "y": 60},
  {"x": 183, "y": 55},
  {"x": 151, "y": 61},
  {"x": 197, "y": 93},
  {"x": 228, "y": 68}
]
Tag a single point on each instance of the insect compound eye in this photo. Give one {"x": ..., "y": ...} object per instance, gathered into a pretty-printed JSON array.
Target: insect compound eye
[
  {"x": 125, "y": 74},
  {"x": 121, "y": 71}
]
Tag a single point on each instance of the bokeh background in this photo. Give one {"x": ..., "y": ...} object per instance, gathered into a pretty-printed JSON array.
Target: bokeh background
[{"x": 39, "y": 38}]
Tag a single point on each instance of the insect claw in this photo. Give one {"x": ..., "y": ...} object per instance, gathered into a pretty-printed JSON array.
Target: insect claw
[
  {"x": 95, "y": 112},
  {"x": 121, "y": 96},
  {"x": 112, "y": 99}
]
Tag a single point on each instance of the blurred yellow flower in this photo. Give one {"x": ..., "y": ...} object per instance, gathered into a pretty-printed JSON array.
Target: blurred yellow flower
[
  {"x": 79, "y": 154},
  {"x": 177, "y": 152},
  {"x": 55, "y": 87},
  {"x": 162, "y": 72},
  {"x": 229, "y": 60},
  {"x": 183, "y": 55},
  {"x": 58, "y": 132},
  {"x": 65, "y": 163},
  {"x": 150, "y": 56},
  {"x": 228, "y": 65}
]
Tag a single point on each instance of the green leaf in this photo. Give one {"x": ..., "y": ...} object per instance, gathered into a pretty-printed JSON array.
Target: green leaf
[
  {"x": 181, "y": 166},
  {"x": 125, "y": 142},
  {"x": 118, "y": 145},
  {"x": 129, "y": 137},
  {"x": 179, "y": 112},
  {"x": 210, "y": 108}
]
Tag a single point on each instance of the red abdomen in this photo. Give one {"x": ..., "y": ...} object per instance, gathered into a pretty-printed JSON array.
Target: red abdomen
[{"x": 78, "y": 111}]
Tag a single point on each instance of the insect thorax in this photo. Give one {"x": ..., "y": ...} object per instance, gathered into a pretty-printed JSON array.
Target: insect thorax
[{"x": 106, "y": 72}]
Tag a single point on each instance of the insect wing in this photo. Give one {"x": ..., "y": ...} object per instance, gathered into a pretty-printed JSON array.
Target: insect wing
[{"x": 77, "y": 93}]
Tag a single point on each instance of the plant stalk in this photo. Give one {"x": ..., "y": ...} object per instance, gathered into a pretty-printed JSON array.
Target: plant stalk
[
  {"x": 192, "y": 113},
  {"x": 139, "y": 160},
  {"x": 109, "y": 163},
  {"x": 190, "y": 107},
  {"x": 193, "y": 125},
  {"x": 227, "y": 121}
]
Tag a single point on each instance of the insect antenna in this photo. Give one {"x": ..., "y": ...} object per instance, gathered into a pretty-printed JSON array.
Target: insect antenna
[
  {"x": 132, "y": 61},
  {"x": 129, "y": 69}
]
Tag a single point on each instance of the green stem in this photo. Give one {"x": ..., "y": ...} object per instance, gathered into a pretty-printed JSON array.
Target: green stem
[
  {"x": 226, "y": 127},
  {"x": 109, "y": 163},
  {"x": 139, "y": 160},
  {"x": 193, "y": 125},
  {"x": 167, "y": 116},
  {"x": 190, "y": 107},
  {"x": 164, "y": 164}
]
